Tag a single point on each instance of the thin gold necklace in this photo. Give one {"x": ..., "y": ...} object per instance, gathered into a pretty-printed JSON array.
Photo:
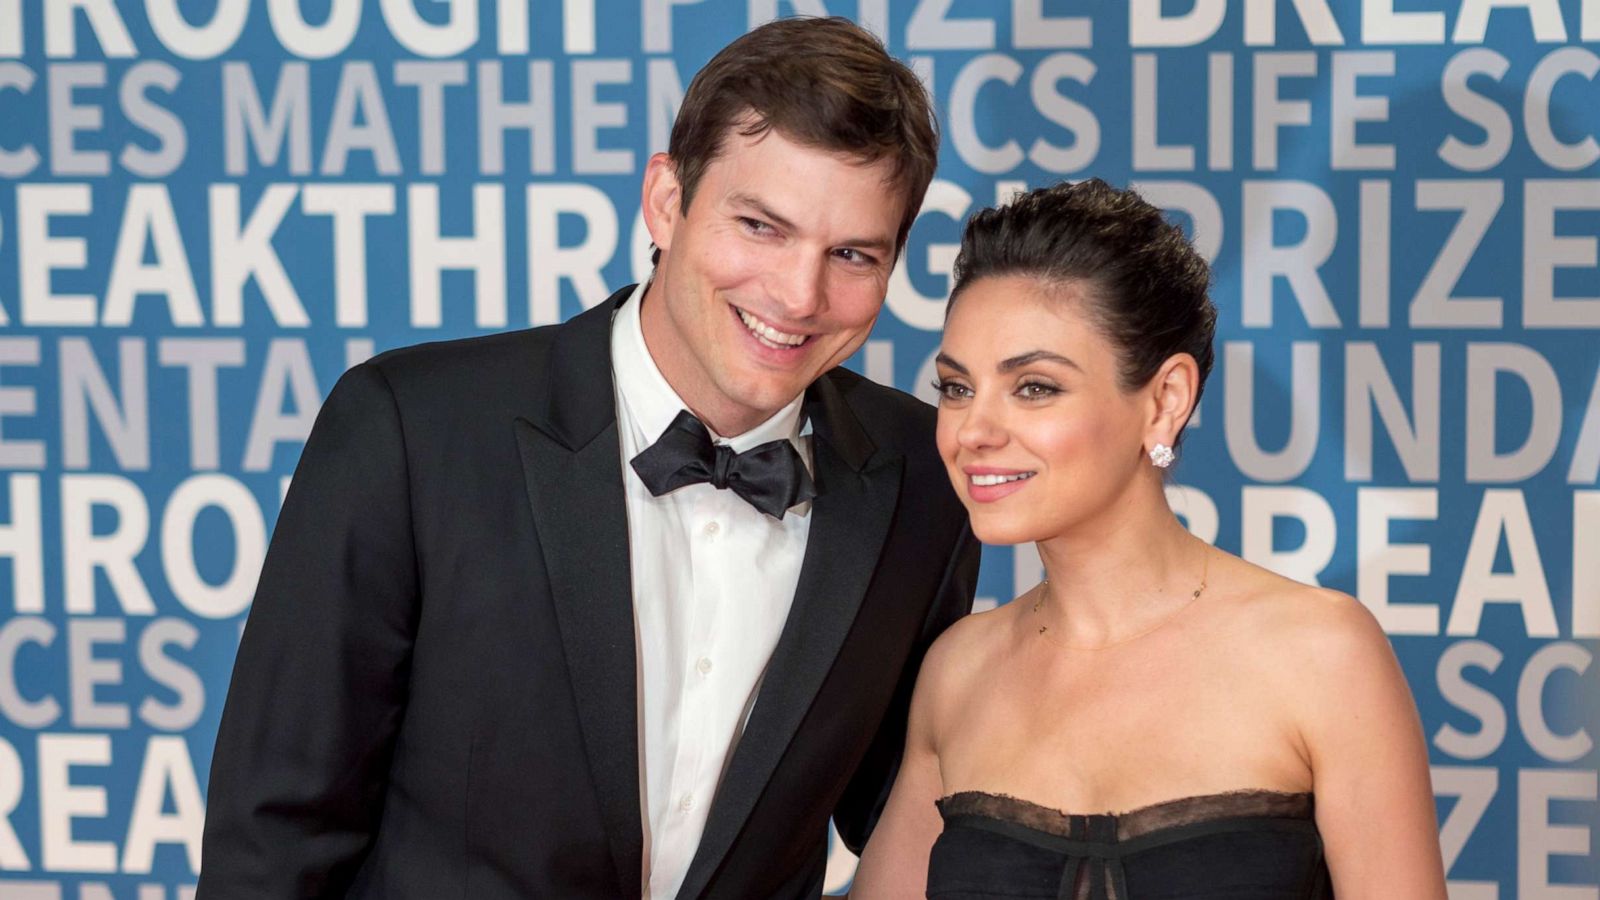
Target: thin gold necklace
[{"x": 1044, "y": 593}]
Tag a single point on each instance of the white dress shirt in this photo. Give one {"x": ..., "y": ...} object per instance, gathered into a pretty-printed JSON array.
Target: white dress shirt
[{"x": 713, "y": 580}]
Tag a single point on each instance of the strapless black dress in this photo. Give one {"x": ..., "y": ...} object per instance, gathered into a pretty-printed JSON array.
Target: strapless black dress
[{"x": 1247, "y": 845}]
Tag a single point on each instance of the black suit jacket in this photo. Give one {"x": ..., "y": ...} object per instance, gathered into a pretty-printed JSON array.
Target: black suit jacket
[{"x": 435, "y": 693}]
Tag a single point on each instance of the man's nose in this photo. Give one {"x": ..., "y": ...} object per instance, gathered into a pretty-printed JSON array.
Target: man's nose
[{"x": 801, "y": 288}]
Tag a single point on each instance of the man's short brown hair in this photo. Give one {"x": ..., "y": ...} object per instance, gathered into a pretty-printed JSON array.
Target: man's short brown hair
[{"x": 820, "y": 82}]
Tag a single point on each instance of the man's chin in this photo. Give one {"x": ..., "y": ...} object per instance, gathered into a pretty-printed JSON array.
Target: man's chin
[
  {"x": 774, "y": 399},
  {"x": 765, "y": 397},
  {"x": 762, "y": 385}
]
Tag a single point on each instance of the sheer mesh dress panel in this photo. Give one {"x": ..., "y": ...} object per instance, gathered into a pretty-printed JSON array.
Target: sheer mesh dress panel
[{"x": 1245, "y": 845}]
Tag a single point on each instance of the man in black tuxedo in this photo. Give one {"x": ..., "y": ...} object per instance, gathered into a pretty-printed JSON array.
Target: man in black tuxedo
[{"x": 531, "y": 626}]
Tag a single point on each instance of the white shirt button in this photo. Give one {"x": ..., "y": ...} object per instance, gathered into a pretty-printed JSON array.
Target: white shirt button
[
  {"x": 711, "y": 529},
  {"x": 704, "y": 665},
  {"x": 686, "y": 803}
]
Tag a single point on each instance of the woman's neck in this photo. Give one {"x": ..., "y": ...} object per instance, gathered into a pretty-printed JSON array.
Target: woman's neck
[{"x": 1113, "y": 576}]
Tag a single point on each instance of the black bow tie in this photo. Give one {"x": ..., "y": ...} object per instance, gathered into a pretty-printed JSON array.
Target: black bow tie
[{"x": 771, "y": 476}]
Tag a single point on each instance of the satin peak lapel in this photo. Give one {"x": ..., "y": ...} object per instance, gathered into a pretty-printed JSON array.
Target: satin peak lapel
[
  {"x": 858, "y": 491},
  {"x": 573, "y": 475}
]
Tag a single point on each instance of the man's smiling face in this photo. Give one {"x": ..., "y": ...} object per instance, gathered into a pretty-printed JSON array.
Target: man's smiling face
[{"x": 773, "y": 275}]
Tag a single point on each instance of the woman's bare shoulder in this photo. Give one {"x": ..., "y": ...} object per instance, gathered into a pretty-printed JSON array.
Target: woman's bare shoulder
[
  {"x": 1286, "y": 610},
  {"x": 1314, "y": 636},
  {"x": 963, "y": 652},
  {"x": 969, "y": 641}
]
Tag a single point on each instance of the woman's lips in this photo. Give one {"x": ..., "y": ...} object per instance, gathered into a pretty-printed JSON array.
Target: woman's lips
[{"x": 986, "y": 485}]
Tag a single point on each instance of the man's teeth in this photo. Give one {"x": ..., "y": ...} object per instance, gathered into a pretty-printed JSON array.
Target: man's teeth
[
  {"x": 992, "y": 480},
  {"x": 771, "y": 336}
]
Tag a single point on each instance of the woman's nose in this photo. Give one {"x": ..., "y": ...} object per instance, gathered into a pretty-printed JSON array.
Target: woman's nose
[{"x": 982, "y": 428}]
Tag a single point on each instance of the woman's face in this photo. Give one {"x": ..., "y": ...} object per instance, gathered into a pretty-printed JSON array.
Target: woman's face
[{"x": 1035, "y": 430}]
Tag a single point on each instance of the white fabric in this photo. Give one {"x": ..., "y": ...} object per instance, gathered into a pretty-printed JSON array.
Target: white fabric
[{"x": 713, "y": 580}]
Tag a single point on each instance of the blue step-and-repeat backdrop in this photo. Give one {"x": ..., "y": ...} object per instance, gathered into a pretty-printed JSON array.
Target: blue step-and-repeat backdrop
[{"x": 210, "y": 208}]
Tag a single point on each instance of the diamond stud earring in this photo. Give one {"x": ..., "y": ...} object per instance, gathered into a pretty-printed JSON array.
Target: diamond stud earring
[{"x": 1161, "y": 456}]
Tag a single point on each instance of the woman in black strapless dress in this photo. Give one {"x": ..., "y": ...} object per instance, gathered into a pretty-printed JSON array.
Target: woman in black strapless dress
[{"x": 1157, "y": 719}]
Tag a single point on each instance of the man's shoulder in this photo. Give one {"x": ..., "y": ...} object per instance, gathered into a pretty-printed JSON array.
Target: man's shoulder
[
  {"x": 453, "y": 385},
  {"x": 507, "y": 363},
  {"x": 477, "y": 359}
]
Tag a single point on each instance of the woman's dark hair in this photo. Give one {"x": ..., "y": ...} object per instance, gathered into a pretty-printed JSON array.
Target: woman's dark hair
[{"x": 1146, "y": 286}]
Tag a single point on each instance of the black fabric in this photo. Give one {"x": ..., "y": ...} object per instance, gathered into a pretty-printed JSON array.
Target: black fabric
[
  {"x": 771, "y": 476},
  {"x": 434, "y": 697},
  {"x": 1255, "y": 845}
]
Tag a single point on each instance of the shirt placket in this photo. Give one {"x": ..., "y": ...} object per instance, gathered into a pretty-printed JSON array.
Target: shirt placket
[{"x": 690, "y": 791}]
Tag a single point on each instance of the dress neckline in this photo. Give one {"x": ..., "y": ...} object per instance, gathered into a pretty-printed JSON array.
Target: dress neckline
[{"x": 1132, "y": 823}]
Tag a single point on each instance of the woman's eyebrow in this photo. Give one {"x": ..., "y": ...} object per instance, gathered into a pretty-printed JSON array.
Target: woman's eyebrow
[{"x": 1017, "y": 362}]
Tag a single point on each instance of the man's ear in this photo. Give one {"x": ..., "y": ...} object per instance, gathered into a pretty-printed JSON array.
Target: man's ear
[{"x": 662, "y": 200}]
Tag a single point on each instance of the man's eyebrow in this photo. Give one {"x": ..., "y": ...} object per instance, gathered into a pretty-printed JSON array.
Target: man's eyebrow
[
  {"x": 881, "y": 244},
  {"x": 944, "y": 359},
  {"x": 1017, "y": 362},
  {"x": 767, "y": 212}
]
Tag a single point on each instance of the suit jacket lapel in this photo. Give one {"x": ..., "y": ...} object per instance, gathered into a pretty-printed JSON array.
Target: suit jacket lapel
[
  {"x": 858, "y": 489},
  {"x": 573, "y": 475}
]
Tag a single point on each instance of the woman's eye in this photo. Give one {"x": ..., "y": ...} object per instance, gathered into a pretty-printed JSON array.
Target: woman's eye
[
  {"x": 952, "y": 390},
  {"x": 1034, "y": 390}
]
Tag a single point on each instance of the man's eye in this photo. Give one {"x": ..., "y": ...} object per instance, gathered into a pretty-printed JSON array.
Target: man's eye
[
  {"x": 852, "y": 255},
  {"x": 755, "y": 225}
]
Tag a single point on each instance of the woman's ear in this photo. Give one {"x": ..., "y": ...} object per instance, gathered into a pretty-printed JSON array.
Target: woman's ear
[{"x": 1173, "y": 392}]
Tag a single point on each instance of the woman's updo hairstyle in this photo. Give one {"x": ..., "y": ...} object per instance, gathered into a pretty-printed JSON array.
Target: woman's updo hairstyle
[{"x": 1145, "y": 284}]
